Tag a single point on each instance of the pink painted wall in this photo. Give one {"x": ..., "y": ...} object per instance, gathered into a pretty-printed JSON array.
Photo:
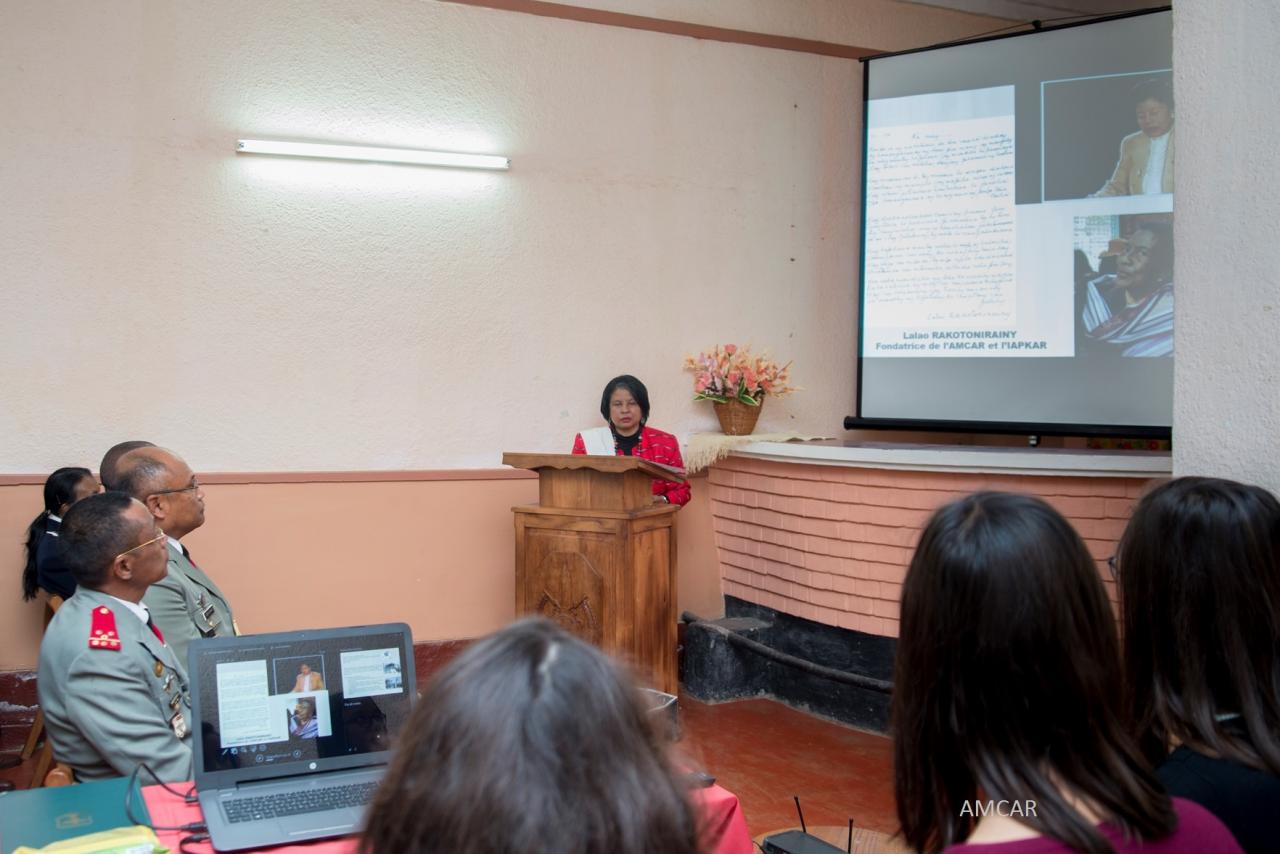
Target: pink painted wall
[
  {"x": 832, "y": 543},
  {"x": 433, "y": 549}
]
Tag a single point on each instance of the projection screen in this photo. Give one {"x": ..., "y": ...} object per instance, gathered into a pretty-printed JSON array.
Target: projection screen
[{"x": 1017, "y": 243}]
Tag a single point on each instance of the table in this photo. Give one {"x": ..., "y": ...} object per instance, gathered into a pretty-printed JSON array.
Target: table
[
  {"x": 725, "y": 826},
  {"x": 168, "y": 810}
]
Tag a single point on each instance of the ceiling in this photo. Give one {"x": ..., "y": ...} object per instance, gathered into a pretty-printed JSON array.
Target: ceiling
[{"x": 1027, "y": 10}]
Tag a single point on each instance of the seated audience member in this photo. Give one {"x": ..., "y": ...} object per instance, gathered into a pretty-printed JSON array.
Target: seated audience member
[
  {"x": 45, "y": 569},
  {"x": 1199, "y": 578},
  {"x": 1007, "y": 696},
  {"x": 531, "y": 740},
  {"x": 625, "y": 408},
  {"x": 107, "y": 468},
  {"x": 186, "y": 604},
  {"x": 112, "y": 692}
]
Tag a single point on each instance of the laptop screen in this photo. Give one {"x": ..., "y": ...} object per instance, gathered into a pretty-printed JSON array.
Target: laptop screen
[{"x": 266, "y": 701}]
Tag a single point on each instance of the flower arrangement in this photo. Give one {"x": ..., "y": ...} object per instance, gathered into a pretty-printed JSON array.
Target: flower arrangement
[{"x": 730, "y": 372}]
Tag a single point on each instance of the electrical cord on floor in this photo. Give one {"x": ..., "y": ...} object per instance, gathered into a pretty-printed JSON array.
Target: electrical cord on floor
[{"x": 189, "y": 797}]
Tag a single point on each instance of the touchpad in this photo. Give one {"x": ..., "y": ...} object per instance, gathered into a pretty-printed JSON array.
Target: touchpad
[{"x": 320, "y": 824}]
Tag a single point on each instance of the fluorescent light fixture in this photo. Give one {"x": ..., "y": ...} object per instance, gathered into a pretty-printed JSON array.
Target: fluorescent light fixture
[{"x": 372, "y": 154}]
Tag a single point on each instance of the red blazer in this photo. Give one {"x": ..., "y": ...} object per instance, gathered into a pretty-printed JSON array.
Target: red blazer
[{"x": 656, "y": 447}]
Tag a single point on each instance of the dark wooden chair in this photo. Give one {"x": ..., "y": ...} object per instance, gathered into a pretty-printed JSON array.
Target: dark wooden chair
[{"x": 43, "y": 773}]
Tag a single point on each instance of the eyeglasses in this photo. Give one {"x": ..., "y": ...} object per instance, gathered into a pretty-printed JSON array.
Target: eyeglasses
[
  {"x": 1114, "y": 566},
  {"x": 141, "y": 545},
  {"x": 195, "y": 484}
]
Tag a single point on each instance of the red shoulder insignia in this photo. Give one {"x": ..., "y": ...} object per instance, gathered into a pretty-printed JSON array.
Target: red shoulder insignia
[{"x": 102, "y": 631}]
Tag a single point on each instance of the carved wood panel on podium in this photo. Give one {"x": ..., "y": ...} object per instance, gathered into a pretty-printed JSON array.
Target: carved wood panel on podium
[{"x": 597, "y": 556}]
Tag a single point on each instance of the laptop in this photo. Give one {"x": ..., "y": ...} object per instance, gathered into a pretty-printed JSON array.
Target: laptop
[{"x": 293, "y": 731}]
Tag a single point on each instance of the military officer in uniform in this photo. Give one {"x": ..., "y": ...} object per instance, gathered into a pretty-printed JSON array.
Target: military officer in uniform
[
  {"x": 107, "y": 468},
  {"x": 111, "y": 689},
  {"x": 187, "y": 604}
]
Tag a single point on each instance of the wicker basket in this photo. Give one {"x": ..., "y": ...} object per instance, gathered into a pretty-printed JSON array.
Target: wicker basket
[{"x": 738, "y": 419}]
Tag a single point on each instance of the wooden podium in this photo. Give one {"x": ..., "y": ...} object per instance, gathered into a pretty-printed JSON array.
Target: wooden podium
[{"x": 598, "y": 556}]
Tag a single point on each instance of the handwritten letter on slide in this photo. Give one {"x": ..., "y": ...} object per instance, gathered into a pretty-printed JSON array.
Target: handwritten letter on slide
[{"x": 940, "y": 217}]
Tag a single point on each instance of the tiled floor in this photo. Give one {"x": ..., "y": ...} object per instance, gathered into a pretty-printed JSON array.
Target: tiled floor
[{"x": 766, "y": 753}]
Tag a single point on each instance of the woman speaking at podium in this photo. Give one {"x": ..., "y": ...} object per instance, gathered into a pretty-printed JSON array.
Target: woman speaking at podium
[{"x": 625, "y": 406}]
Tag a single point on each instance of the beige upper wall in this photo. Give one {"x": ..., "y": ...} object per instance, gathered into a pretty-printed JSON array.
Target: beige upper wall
[
  {"x": 271, "y": 314},
  {"x": 1227, "y": 270}
]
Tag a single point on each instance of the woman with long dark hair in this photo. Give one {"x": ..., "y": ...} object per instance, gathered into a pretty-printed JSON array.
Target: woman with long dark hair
[
  {"x": 1199, "y": 578},
  {"x": 531, "y": 741},
  {"x": 1007, "y": 697},
  {"x": 44, "y": 569},
  {"x": 624, "y": 405}
]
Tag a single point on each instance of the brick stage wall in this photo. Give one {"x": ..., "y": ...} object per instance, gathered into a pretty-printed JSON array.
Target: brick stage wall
[{"x": 832, "y": 543}]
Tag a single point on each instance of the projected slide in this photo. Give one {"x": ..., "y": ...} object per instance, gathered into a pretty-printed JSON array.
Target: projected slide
[
  {"x": 1018, "y": 230},
  {"x": 940, "y": 225}
]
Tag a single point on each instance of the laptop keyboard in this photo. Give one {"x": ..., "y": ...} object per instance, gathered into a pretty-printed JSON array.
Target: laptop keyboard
[{"x": 298, "y": 803}]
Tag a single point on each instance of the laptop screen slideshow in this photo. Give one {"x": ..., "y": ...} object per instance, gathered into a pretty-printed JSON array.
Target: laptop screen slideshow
[{"x": 297, "y": 700}]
